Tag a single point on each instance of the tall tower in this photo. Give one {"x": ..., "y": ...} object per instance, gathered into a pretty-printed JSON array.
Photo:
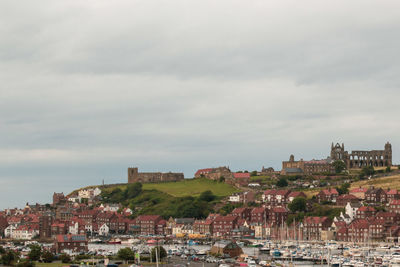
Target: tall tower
[
  {"x": 133, "y": 175},
  {"x": 388, "y": 154},
  {"x": 337, "y": 152}
]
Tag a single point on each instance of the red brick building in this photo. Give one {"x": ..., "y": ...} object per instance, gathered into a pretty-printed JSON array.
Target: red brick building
[
  {"x": 224, "y": 225},
  {"x": 242, "y": 213},
  {"x": 394, "y": 206},
  {"x": 365, "y": 212},
  {"x": 342, "y": 200},
  {"x": 329, "y": 194},
  {"x": 204, "y": 227},
  {"x": 312, "y": 227},
  {"x": 148, "y": 224},
  {"x": 259, "y": 215},
  {"x": 375, "y": 195},
  {"x": 277, "y": 215},
  {"x": 75, "y": 243}
]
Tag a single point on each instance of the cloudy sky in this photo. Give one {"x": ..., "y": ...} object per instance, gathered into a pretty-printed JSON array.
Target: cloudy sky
[{"x": 89, "y": 88}]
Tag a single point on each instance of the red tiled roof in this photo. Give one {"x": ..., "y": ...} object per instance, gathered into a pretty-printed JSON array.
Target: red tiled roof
[
  {"x": 203, "y": 171},
  {"x": 239, "y": 175},
  {"x": 366, "y": 208},
  {"x": 330, "y": 191},
  {"x": 358, "y": 190},
  {"x": 395, "y": 202},
  {"x": 278, "y": 209}
]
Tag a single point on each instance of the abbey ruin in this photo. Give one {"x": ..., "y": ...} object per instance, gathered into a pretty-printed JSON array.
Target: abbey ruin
[{"x": 362, "y": 158}]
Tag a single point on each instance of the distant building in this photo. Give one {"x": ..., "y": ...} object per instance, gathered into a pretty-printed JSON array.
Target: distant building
[
  {"x": 310, "y": 167},
  {"x": 362, "y": 158},
  {"x": 214, "y": 173},
  {"x": 153, "y": 177}
]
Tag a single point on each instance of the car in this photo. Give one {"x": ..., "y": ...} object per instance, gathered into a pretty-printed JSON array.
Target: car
[{"x": 183, "y": 256}]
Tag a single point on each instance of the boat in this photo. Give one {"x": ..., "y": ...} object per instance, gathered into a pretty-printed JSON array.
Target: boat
[{"x": 114, "y": 241}]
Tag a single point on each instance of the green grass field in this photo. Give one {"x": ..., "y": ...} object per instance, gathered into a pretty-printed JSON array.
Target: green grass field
[
  {"x": 188, "y": 187},
  {"x": 193, "y": 187}
]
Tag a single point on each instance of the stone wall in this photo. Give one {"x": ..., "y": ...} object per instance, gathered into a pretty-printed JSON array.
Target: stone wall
[{"x": 153, "y": 177}]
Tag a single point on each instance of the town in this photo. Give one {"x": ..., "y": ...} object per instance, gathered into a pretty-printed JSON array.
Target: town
[{"x": 344, "y": 198}]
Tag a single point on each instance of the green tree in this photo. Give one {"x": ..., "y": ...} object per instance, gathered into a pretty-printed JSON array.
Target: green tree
[
  {"x": 282, "y": 182},
  {"x": 207, "y": 196},
  {"x": 65, "y": 258},
  {"x": 221, "y": 179},
  {"x": 367, "y": 171},
  {"x": 126, "y": 254},
  {"x": 253, "y": 173},
  {"x": 133, "y": 190},
  {"x": 339, "y": 166},
  {"x": 298, "y": 204},
  {"x": 47, "y": 256},
  {"x": 343, "y": 189},
  {"x": 2, "y": 250},
  {"x": 9, "y": 257},
  {"x": 161, "y": 253},
  {"x": 34, "y": 254},
  {"x": 388, "y": 169}
]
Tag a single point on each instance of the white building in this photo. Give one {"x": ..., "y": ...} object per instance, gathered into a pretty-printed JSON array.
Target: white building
[{"x": 104, "y": 230}]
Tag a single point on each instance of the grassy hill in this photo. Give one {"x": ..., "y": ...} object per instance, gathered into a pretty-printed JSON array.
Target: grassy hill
[
  {"x": 392, "y": 181},
  {"x": 188, "y": 187}
]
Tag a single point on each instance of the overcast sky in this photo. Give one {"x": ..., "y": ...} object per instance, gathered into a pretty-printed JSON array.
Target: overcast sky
[{"x": 89, "y": 88}]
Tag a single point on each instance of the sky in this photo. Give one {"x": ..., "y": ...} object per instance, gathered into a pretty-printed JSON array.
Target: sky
[{"x": 90, "y": 88}]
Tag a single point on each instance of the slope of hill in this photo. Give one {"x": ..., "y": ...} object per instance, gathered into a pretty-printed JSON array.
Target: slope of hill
[
  {"x": 392, "y": 181},
  {"x": 188, "y": 187}
]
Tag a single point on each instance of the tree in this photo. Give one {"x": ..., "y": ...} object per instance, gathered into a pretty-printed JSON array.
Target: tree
[
  {"x": 388, "y": 169},
  {"x": 343, "y": 189},
  {"x": 133, "y": 190},
  {"x": 34, "y": 254},
  {"x": 2, "y": 250},
  {"x": 9, "y": 257},
  {"x": 368, "y": 170},
  {"x": 161, "y": 253},
  {"x": 207, "y": 196},
  {"x": 282, "y": 182},
  {"x": 126, "y": 254},
  {"x": 221, "y": 179},
  {"x": 47, "y": 256},
  {"x": 65, "y": 258},
  {"x": 339, "y": 166},
  {"x": 298, "y": 204}
]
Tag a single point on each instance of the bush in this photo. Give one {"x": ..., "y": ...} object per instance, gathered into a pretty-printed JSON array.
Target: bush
[
  {"x": 126, "y": 254},
  {"x": 282, "y": 182},
  {"x": 65, "y": 258},
  {"x": 34, "y": 254},
  {"x": 47, "y": 256},
  {"x": 388, "y": 169},
  {"x": 298, "y": 204},
  {"x": 207, "y": 196}
]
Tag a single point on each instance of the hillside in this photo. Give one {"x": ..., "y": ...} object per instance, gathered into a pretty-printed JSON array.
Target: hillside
[
  {"x": 188, "y": 187},
  {"x": 392, "y": 181}
]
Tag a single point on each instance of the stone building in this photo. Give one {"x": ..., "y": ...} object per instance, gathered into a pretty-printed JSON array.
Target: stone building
[
  {"x": 214, "y": 173},
  {"x": 153, "y": 177},
  {"x": 301, "y": 167},
  {"x": 362, "y": 158}
]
